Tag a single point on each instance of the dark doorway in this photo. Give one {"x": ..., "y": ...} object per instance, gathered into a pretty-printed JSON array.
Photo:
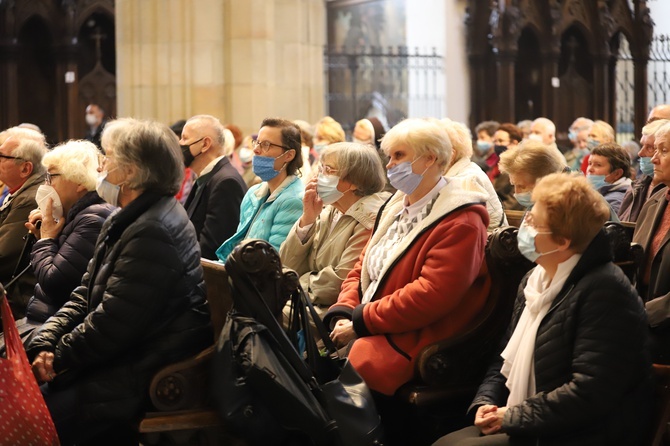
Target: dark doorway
[
  {"x": 36, "y": 70},
  {"x": 527, "y": 83}
]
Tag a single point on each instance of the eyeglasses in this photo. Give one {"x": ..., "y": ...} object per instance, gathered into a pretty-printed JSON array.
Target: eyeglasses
[
  {"x": 48, "y": 177},
  {"x": 529, "y": 220},
  {"x": 194, "y": 142},
  {"x": 327, "y": 170},
  {"x": 8, "y": 157},
  {"x": 265, "y": 145}
]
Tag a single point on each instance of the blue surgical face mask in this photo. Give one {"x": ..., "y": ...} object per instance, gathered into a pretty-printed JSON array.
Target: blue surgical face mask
[
  {"x": 597, "y": 181},
  {"x": 592, "y": 143},
  {"x": 107, "y": 191},
  {"x": 483, "y": 147},
  {"x": 264, "y": 166},
  {"x": 526, "y": 242},
  {"x": 646, "y": 166},
  {"x": 572, "y": 136},
  {"x": 326, "y": 187},
  {"x": 319, "y": 148},
  {"x": 524, "y": 199},
  {"x": 403, "y": 178}
]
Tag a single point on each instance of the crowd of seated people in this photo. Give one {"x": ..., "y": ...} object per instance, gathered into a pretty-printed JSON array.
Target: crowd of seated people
[{"x": 387, "y": 234}]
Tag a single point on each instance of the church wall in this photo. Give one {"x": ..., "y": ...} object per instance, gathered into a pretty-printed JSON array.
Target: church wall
[{"x": 238, "y": 60}]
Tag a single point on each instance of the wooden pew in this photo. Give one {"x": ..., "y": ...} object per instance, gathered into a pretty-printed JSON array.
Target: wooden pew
[
  {"x": 449, "y": 372},
  {"x": 180, "y": 392}
]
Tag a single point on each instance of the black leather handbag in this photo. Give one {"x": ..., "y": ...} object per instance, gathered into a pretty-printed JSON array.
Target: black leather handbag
[{"x": 260, "y": 379}]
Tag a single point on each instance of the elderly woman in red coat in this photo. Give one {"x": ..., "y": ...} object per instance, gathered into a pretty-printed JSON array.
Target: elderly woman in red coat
[{"x": 422, "y": 277}]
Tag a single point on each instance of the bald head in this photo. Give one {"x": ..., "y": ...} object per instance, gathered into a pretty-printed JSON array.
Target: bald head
[
  {"x": 659, "y": 112},
  {"x": 544, "y": 129}
]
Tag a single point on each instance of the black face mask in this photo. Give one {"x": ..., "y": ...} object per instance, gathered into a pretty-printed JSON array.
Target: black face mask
[
  {"x": 499, "y": 149},
  {"x": 188, "y": 156}
]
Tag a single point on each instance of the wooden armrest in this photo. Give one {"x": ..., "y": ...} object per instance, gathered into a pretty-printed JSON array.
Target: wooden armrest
[
  {"x": 183, "y": 385},
  {"x": 177, "y": 421}
]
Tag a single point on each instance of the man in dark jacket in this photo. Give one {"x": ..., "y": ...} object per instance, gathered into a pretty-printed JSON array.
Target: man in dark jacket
[
  {"x": 645, "y": 185},
  {"x": 95, "y": 120},
  {"x": 22, "y": 171},
  {"x": 214, "y": 202}
]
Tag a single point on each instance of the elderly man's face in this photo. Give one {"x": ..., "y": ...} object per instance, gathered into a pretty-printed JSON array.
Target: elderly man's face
[
  {"x": 11, "y": 173},
  {"x": 541, "y": 130},
  {"x": 661, "y": 159},
  {"x": 647, "y": 149}
]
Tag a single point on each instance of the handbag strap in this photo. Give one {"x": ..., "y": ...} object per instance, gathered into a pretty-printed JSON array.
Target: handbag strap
[
  {"x": 318, "y": 323},
  {"x": 265, "y": 317}
]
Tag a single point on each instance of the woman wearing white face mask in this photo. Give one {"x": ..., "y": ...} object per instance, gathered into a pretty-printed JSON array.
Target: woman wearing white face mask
[
  {"x": 422, "y": 277},
  {"x": 141, "y": 303},
  {"x": 339, "y": 210},
  {"x": 575, "y": 366},
  {"x": 71, "y": 215}
]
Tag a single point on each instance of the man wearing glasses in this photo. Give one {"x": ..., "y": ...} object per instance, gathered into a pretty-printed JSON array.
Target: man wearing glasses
[
  {"x": 21, "y": 170},
  {"x": 213, "y": 205}
]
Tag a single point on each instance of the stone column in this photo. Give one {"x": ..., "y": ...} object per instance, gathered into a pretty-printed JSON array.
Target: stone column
[{"x": 238, "y": 60}]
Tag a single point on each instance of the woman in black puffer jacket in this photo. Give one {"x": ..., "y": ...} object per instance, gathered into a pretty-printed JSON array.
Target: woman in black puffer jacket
[
  {"x": 64, "y": 247},
  {"x": 575, "y": 368},
  {"x": 141, "y": 304}
]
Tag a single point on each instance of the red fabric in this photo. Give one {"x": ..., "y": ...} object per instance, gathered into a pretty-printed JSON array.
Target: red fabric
[
  {"x": 432, "y": 293},
  {"x": 585, "y": 164},
  {"x": 25, "y": 419},
  {"x": 494, "y": 170}
]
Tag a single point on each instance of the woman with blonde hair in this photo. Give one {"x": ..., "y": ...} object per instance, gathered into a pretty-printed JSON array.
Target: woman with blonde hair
[
  {"x": 575, "y": 369},
  {"x": 461, "y": 165},
  {"x": 422, "y": 276},
  {"x": 526, "y": 164}
]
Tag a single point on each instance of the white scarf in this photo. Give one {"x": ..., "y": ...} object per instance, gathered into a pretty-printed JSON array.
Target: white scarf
[{"x": 518, "y": 366}]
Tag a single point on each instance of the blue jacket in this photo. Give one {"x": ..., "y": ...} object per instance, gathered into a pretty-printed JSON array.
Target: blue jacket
[{"x": 267, "y": 216}]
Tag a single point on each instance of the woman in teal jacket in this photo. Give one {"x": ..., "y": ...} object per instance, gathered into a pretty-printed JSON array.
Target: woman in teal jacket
[{"x": 270, "y": 209}]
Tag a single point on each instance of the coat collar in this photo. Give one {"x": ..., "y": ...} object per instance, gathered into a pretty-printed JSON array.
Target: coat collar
[
  {"x": 458, "y": 192},
  {"x": 263, "y": 188}
]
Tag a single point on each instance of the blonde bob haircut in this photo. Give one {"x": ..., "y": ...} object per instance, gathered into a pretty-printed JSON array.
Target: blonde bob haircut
[
  {"x": 603, "y": 130},
  {"x": 358, "y": 164},
  {"x": 329, "y": 130},
  {"x": 575, "y": 210},
  {"x": 532, "y": 158},
  {"x": 461, "y": 140},
  {"x": 424, "y": 136},
  {"x": 75, "y": 161}
]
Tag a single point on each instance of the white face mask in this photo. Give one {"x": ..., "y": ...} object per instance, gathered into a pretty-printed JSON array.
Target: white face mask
[
  {"x": 91, "y": 120},
  {"x": 535, "y": 137},
  {"x": 107, "y": 191},
  {"x": 44, "y": 192}
]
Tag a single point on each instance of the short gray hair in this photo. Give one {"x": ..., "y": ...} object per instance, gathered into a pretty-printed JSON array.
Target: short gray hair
[
  {"x": 213, "y": 122},
  {"x": 533, "y": 158},
  {"x": 358, "y": 164},
  {"x": 32, "y": 147},
  {"x": 153, "y": 149}
]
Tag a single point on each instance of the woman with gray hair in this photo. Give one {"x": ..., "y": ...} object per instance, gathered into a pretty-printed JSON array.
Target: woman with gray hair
[
  {"x": 339, "y": 210},
  {"x": 422, "y": 276},
  {"x": 71, "y": 214},
  {"x": 141, "y": 304}
]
